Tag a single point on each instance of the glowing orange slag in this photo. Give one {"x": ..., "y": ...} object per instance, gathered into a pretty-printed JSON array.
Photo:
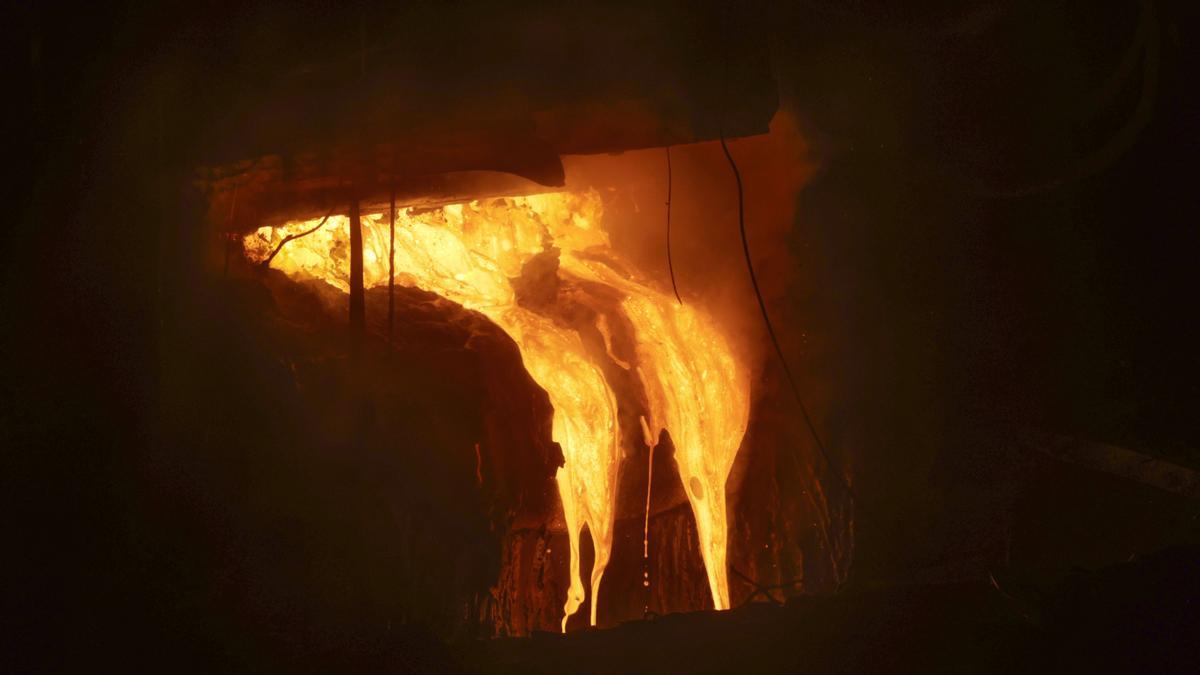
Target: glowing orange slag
[{"x": 471, "y": 253}]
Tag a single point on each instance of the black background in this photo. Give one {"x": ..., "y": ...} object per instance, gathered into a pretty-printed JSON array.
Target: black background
[{"x": 1071, "y": 307}]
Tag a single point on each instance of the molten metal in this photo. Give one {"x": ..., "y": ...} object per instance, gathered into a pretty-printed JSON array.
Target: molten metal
[{"x": 472, "y": 254}]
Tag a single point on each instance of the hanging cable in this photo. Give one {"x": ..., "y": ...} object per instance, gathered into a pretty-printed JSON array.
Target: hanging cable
[
  {"x": 292, "y": 237},
  {"x": 762, "y": 305},
  {"x": 670, "y": 264}
]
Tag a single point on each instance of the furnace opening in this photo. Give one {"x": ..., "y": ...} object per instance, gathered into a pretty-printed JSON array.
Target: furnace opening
[{"x": 592, "y": 333}]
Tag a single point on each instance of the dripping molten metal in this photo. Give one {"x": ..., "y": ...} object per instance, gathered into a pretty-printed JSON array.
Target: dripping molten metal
[{"x": 480, "y": 254}]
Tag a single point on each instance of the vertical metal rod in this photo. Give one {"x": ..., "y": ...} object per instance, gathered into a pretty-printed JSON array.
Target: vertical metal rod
[
  {"x": 392, "y": 268},
  {"x": 358, "y": 315},
  {"x": 650, "y": 441}
]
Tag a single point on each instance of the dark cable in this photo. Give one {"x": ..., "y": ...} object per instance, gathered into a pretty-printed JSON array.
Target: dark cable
[
  {"x": 670, "y": 265},
  {"x": 292, "y": 237},
  {"x": 762, "y": 306}
]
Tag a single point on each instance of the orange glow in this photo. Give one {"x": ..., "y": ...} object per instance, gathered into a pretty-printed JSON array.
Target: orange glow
[{"x": 472, "y": 253}]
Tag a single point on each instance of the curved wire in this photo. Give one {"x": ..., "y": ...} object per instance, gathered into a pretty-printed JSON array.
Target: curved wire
[
  {"x": 670, "y": 264},
  {"x": 292, "y": 237},
  {"x": 762, "y": 306}
]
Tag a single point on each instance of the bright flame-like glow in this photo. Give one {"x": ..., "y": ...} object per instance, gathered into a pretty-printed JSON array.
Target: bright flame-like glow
[{"x": 471, "y": 253}]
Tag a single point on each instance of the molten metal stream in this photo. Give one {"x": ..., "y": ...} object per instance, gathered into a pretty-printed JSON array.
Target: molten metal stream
[{"x": 471, "y": 253}]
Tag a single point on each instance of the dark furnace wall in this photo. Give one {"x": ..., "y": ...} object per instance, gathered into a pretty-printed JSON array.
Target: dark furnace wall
[{"x": 972, "y": 255}]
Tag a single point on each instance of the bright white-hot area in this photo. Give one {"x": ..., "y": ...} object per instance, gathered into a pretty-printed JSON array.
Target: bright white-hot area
[{"x": 473, "y": 253}]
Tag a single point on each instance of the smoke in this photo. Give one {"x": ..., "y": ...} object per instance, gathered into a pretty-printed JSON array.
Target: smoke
[{"x": 706, "y": 248}]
